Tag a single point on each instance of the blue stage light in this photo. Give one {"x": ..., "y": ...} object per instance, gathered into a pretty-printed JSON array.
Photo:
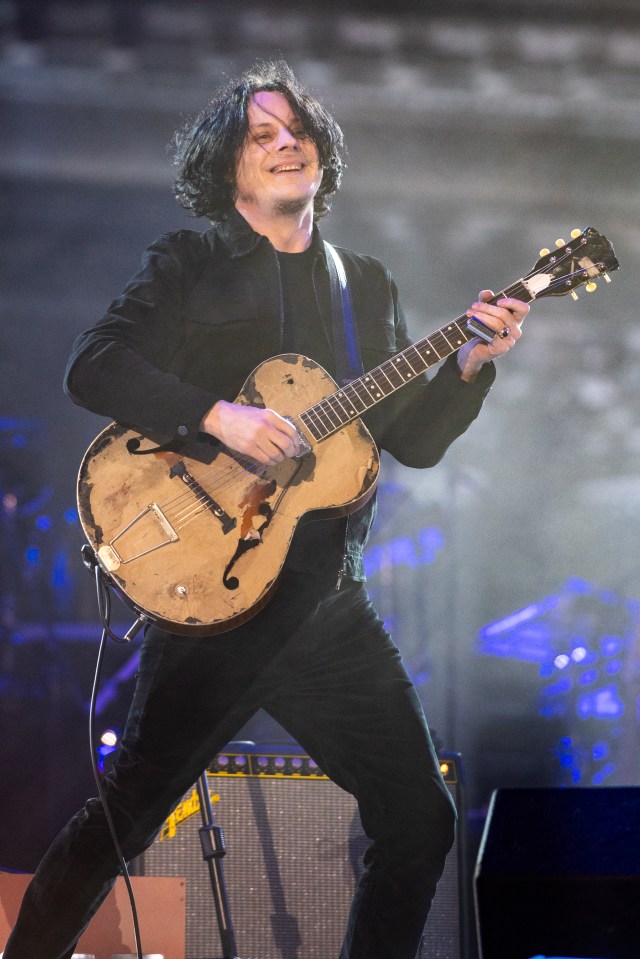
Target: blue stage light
[
  {"x": 32, "y": 555},
  {"x": 107, "y": 745}
]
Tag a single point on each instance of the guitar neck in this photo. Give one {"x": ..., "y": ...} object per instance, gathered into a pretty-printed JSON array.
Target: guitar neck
[{"x": 347, "y": 404}]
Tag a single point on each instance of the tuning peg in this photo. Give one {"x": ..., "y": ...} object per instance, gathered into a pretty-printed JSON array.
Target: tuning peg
[
  {"x": 574, "y": 295},
  {"x": 607, "y": 278},
  {"x": 544, "y": 251},
  {"x": 560, "y": 243},
  {"x": 591, "y": 287},
  {"x": 575, "y": 234}
]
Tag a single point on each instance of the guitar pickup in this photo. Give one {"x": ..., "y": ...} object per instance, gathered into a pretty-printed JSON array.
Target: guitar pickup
[{"x": 180, "y": 470}]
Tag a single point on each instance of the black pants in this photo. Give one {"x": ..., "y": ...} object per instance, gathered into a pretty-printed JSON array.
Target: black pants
[{"x": 322, "y": 664}]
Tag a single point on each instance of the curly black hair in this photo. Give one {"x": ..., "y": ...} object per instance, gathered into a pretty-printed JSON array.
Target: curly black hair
[{"x": 207, "y": 149}]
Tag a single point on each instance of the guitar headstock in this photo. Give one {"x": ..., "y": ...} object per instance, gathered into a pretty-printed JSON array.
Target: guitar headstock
[{"x": 585, "y": 257}]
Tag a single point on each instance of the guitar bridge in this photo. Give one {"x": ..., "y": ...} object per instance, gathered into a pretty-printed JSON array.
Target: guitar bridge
[{"x": 148, "y": 531}]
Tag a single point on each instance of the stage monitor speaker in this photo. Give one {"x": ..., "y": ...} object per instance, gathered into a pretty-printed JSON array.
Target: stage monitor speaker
[
  {"x": 558, "y": 874},
  {"x": 294, "y": 849}
]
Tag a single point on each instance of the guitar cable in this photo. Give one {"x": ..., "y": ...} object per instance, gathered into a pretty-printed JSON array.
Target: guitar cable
[{"x": 104, "y": 609}]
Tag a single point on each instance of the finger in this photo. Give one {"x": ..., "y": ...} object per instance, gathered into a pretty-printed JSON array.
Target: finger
[
  {"x": 286, "y": 435},
  {"x": 517, "y": 308},
  {"x": 498, "y": 318}
]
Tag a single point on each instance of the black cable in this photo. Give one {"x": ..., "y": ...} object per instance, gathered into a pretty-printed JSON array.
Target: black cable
[{"x": 104, "y": 609}]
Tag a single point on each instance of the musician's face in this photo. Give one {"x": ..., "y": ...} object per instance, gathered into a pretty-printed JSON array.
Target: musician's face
[{"x": 278, "y": 169}]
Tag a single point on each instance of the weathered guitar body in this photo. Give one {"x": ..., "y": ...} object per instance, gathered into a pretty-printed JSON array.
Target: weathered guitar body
[{"x": 196, "y": 538}]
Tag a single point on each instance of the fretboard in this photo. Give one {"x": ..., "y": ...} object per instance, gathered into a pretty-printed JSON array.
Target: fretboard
[{"x": 346, "y": 404}]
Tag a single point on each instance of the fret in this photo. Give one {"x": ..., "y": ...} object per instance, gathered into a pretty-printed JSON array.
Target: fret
[
  {"x": 372, "y": 386},
  {"x": 429, "y": 355},
  {"x": 392, "y": 374},
  {"x": 323, "y": 416},
  {"x": 378, "y": 373},
  {"x": 351, "y": 394},
  {"x": 346, "y": 406},
  {"x": 440, "y": 343},
  {"x": 313, "y": 423},
  {"x": 330, "y": 413},
  {"x": 454, "y": 337},
  {"x": 354, "y": 391},
  {"x": 400, "y": 362},
  {"x": 418, "y": 363}
]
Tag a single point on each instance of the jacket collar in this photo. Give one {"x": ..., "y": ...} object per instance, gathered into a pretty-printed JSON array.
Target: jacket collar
[
  {"x": 237, "y": 235},
  {"x": 241, "y": 239}
]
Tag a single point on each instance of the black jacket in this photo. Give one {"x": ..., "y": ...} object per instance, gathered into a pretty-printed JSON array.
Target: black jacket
[{"x": 205, "y": 309}]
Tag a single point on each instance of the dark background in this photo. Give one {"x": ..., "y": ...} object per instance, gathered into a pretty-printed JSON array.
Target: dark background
[{"x": 478, "y": 132}]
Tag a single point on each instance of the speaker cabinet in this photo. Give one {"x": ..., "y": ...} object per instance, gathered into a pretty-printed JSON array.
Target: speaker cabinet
[
  {"x": 558, "y": 873},
  {"x": 294, "y": 849}
]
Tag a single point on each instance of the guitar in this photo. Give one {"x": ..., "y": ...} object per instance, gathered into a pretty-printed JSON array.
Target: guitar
[{"x": 193, "y": 535}]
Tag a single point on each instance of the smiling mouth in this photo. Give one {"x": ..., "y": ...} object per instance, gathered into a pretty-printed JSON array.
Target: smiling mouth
[{"x": 287, "y": 168}]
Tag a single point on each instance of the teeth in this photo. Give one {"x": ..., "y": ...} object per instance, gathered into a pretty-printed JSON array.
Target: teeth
[{"x": 286, "y": 167}]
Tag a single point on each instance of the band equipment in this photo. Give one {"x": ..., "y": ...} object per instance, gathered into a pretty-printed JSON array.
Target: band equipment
[
  {"x": 194, "y": 535},
  {"x": 294, "y": 848}
]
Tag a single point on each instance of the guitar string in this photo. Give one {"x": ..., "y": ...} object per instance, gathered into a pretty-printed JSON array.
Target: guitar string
[{"x": 185, "y": 509}]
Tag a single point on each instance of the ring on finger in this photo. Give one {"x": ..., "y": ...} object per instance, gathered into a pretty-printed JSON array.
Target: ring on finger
[{"x": 504, "y": 333}]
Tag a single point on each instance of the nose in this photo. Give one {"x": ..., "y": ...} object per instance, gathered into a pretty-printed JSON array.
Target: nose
[{"x": 286, "y": 139}]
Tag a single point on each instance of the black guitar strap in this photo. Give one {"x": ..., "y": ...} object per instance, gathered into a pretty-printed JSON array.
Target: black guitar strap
[{"x": 345, "y": 337}]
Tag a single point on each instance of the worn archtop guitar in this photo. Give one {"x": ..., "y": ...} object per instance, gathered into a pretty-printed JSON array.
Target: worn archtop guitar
[{"x": 194, "y": 537}]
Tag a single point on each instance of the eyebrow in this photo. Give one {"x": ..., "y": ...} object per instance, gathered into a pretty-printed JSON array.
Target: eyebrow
[{"x": 276, "y": 121}]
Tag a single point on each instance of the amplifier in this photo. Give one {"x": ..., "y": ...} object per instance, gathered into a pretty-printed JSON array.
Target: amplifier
[{"x": 294, "y": 848}]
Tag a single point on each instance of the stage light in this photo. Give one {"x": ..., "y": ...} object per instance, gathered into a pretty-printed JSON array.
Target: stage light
[
  {"x": 610, "y": 645},
  {"x": 109, "y": 738},
  {"x": 32, "y": 555},
  {"x": 108, "y": 743}
]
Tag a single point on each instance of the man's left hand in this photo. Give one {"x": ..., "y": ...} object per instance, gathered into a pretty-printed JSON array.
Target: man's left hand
[{"x": 505, "y": 317}]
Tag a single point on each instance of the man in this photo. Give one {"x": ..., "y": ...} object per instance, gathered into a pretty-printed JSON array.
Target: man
[{"x": 169, "y": 357}]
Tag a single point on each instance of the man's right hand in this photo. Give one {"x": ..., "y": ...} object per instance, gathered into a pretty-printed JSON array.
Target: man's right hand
[{"x": 262, "y": 434}]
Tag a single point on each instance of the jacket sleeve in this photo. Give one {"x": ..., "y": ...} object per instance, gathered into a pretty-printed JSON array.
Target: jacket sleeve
[
  {"x": 419, "y": 422},
  {"x": 118, "y": 368}
]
